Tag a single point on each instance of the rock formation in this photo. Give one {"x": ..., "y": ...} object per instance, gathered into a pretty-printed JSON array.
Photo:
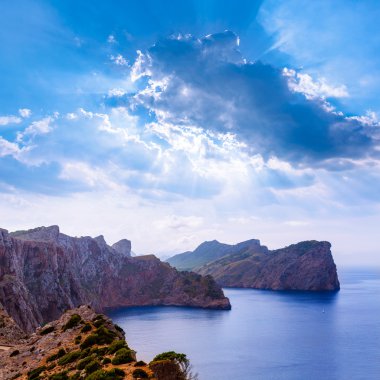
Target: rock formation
[
  {"x": 210, "y": 251},
  {"x": 305, "y": 266},
  {"x": 81, "y": 345},
  {"x": 44, "y": 272}
]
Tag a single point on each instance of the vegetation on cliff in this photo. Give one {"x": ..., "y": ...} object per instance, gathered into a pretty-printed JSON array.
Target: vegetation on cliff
[{"x": 103, "y": 354}]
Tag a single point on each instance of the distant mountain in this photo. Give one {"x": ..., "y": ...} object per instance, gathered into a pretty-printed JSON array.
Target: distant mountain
[
  {"x": 307, "y": 265},
  {"x": 210, "y": 251},
  {"x": 44, "y": 272}
]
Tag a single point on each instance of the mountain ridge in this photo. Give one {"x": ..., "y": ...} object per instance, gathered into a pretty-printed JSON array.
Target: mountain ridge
[
  {"x": 307, "y": 265},
  {"x": 44, "y": 272}
]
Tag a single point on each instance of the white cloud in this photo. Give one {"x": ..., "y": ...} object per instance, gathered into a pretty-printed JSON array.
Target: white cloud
[
  {"x": 119, "y": 60},
  {"x": 116, "y": 92},
  {"x": 5, "y": 120},
  {"x": 8, "y": 148},
  {"x": 39, "y": 127},
  {"x": 178, "y": 222},
  {"x": 25, "y": 112},
  {"x": 313, "y": 89},
  {"x": 111, "y": 39}
]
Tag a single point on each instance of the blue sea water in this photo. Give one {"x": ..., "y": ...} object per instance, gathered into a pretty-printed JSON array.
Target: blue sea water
[{"x": 270, "y": 335}]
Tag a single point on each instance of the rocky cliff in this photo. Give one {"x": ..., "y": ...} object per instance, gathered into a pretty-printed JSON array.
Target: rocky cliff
[
  {"x": 210, "y": 251},
  {"x": 44, "y": 272},
  {"x": 81, "y": 345},
  {"x": 306, "y": 266}
]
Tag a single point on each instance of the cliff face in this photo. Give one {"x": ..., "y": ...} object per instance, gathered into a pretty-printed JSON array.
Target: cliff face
[
  {"x": 44, "y": 272},
  {"x": 80, "y": 345},
  {"x": 210, "y": 251},
  {"x": 304, "y": 266}
]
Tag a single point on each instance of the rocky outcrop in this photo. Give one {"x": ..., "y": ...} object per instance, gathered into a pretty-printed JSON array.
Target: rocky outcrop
[
  {"x": 80, "y": 345},
  {"x": 210, "y": 251},
  {"x": 305, "y": 266},
  {"x": 44, "y": 272},
  {"x": 124, "y": 247},
  {"x": 9, "y": 330}
]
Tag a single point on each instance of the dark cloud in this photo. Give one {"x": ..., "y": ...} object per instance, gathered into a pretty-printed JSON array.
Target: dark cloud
[{"x": 207, "y": 83}]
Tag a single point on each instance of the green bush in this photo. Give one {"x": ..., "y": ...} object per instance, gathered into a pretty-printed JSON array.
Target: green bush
[
  {"x": 100, "y": 336},
  {"x": 58, "y": 355},
  {"x": 69, "y": 358},
  {"x": 99, "y": 351},
  {"x": 92, "y": 366},
  {"x": 116, "y": 345},
  {"x": 59, "y": 376},
  {"x": 140, "y": 363},
  {"x": 106, "y": 361},
  {"x": 14, "y": 353},
  {"x": 84, "y": 353},
  {"x": 139, "y": 373},
  {"x": 113, "y": 374},
  {"x": 99, "y": 322},
  {"x": 75, "y": 376},
  {"x": 35, "y": 373},
  {"x": 171, "y": 355},
  {"x": 87, "y": 327},
  {"x": 74, "y": 320},
  {"x": 123, "y": 356},
  {"x": 47, "y": 330},
  {"x": 78, "y": 339},
  {"x": 82, "y": 363}
]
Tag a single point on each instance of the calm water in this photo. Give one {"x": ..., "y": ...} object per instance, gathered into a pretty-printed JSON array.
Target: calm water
[{"x": 270, "y": 335}]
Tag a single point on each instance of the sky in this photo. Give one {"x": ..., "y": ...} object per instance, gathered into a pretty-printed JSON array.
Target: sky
[{"x": 171, "y": 123}]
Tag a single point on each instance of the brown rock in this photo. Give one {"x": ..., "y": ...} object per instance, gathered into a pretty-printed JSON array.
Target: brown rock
[
  {"x": 305, "y": 266},
  {"x": 44, "y": 272}
]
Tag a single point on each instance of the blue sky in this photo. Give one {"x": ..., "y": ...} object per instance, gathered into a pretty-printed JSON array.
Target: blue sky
[{"x": 171, "y": 123}]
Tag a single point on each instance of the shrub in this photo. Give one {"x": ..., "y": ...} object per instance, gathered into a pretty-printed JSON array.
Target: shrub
[
  {"x": 75, "y": 376},
  {"x": 89, "y": 341},
  {"x": 58, "y": 355},
  {"x": 101, "y": 336},
  {"x": 117, "y": 372},
  {"x": 74, "y": 320},
  {"x": 123, "y": 356},
  {"x": 171, "y": 355},
  {"x": 140, "y": 363},
  {"x": 87, "y": 327},
  {"x": 78, "y": 339},
  {"x": 116, "y": 345},
  {"x": 82, "y": 363},
  {"x": 14, "y": 353},
  {"x": 47, "y": 330},
  {"x": 113, "y": 374},
  {"x": 106, "y": 361},
  {"x": 84, "y": 353},
  {"x": 69, "y": 358},
  {"x": 92, "y": 366},
  {"x": 139, "y": 373},
  {"x": 118, "y": 328},
  {"x": 59, "y": 376},
  {"x": 99, "y": 351},
  {"x": 35, "y": 373},
  {"x": 99, "y": 322}
]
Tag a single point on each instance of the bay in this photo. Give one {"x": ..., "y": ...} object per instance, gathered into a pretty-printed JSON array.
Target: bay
[{"x": 270, "y": 335}]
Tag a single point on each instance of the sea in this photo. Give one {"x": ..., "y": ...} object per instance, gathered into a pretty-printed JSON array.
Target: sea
[{"x": 270, "y": 334}]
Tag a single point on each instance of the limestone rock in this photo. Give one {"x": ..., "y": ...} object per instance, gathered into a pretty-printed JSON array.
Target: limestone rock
[{"x": 44, "y": 272}]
